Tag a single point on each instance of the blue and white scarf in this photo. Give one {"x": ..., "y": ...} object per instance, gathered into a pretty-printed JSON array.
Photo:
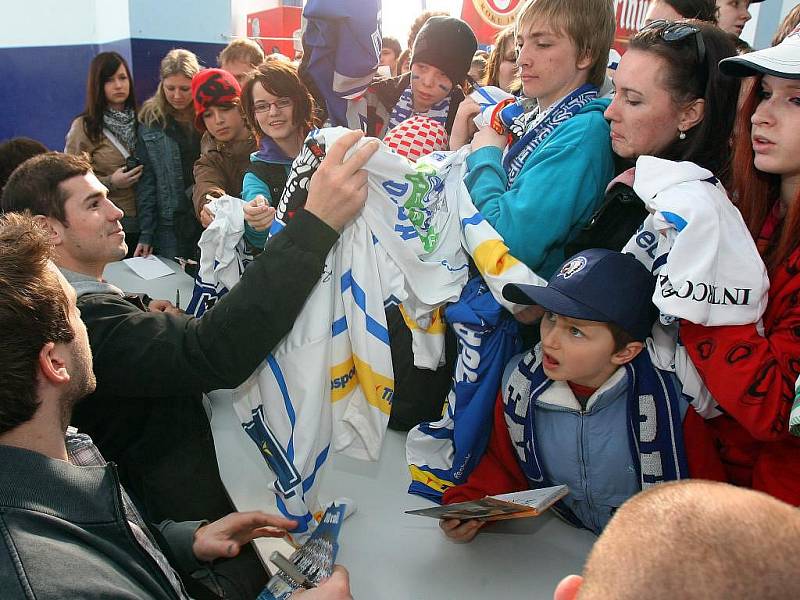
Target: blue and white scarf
[
  {"x": 531, "y": 128},
  {"x": 404, "y": 109},
  {"x": 487, "y": 339},
  {"x": 655, "y": 431}
]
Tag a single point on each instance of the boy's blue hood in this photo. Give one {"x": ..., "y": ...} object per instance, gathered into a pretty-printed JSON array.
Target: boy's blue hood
[
  {"x": 596, "y": 105},
  {"x": 270, "y": 152}
]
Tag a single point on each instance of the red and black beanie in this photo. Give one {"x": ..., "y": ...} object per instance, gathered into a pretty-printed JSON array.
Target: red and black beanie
[{"x": 212, "y": 87}]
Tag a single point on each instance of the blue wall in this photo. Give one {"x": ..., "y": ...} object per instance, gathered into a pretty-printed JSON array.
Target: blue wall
[
  {"x": 45, "y": 88},
  {"x": 46, "y": 47},
  {"x": 147, "y": 55}
]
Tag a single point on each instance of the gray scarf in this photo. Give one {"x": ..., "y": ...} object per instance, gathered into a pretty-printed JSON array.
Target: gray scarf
[{"x": 122, "y": 124}]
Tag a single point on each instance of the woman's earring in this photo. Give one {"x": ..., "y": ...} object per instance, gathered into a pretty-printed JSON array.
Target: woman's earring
[{"x": 682, "y": 135}]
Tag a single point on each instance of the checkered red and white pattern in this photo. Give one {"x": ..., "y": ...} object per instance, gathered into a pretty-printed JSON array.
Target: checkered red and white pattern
[{"x": 416, "y": 137}]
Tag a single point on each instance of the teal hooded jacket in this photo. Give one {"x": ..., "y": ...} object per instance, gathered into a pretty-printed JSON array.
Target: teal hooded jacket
[{"x": 555, "y": 194}]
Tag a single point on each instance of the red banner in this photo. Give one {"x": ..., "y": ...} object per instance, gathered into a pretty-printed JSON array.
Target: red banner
[
  {"x": 630, "y": 18},
  {"x": 487, "y": 17}
]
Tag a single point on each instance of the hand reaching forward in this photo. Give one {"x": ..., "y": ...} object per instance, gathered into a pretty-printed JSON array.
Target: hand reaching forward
[
  {"x": 225, "y": 537},
  {"x": 143, "y": 250},
  {"x": 258, "y": 214},
  {"x": 338, "y": 190},
  {"x": 335, "y": 587},
  {"x": 164, "y": 306}
]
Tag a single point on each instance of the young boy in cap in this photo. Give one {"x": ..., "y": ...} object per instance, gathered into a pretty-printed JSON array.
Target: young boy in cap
[{"x": 585, "y": 407}]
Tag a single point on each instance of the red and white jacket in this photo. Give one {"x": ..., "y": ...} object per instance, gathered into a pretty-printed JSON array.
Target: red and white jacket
[{"x": 751, "y": 376}]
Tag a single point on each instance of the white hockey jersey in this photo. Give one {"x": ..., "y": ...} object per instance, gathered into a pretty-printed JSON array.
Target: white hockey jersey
[
  {"x": 706, "y": 264},
  {"x": 328, "y": 385},
  {"x": 697, "y": 245}
]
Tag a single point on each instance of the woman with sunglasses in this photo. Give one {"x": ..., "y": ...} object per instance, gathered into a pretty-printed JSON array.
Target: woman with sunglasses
[
  {"x": 751, "y": 369},
  {"x": 671, "y": 102},
  {"x": 280, "y": 111},
  {"x": 106, "y": 132}
]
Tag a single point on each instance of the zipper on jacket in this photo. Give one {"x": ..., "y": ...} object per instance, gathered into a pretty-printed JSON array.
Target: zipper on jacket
[
  {"x": 165, "y": 582},
  {"x": 583, "y": 466}
]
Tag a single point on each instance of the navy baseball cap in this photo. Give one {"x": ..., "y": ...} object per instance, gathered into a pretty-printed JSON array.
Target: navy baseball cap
[{"x": 596, "y": 285}]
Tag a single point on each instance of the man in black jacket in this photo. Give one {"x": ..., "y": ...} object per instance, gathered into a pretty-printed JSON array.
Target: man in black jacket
[
  {"x": 69, "y": 528},
  {"x": 152, "y": 366}
]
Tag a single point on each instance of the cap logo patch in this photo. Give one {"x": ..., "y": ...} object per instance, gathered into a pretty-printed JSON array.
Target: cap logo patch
[{"x": 575, "y": 265}]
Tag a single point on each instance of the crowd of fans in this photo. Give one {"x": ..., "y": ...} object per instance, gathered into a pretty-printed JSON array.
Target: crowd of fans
[{"x": 583, "y": 157}]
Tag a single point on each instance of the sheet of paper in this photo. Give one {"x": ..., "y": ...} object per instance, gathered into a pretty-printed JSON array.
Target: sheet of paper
[{"x": 149, "y": 267}]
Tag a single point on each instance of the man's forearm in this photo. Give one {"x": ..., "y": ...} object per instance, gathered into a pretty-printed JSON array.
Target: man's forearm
[{"x": 250, "y": 320}]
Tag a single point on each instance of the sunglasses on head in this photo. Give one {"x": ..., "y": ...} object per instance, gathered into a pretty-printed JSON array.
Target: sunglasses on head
[{"x": 676, "y": 31}]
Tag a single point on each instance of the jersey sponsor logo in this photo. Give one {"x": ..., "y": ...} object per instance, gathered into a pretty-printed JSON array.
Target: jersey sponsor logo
[
  {"x": 646, "y": 240},
  {"x": 343, "y": 379},
  {"x": 341, "y": 382},
  {"x": 706, "y": 292},
  {"x": 419, "y": 198},
  {"x": 377, "y": 389}
]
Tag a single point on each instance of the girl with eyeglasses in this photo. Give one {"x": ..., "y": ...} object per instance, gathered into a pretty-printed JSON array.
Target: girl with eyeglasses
[
  {"x": 106, "y": 132},
  {"x": 168, "y": 147},
  {"x": 280, "y": 111},
  {"x": 672, "y": 103},
  {"x": 751, "y": 369}
]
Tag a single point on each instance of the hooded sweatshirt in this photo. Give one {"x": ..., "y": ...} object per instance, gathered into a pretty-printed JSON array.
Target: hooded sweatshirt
[{"x": 558, "y": 189}]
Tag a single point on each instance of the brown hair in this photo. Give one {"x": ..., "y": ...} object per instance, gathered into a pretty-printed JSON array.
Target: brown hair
[
  {"x": 102, "y": 68},
  {"x": 621, "y": 337},
  {"x": 34, "y": 310},
  {"x": 419, "y": 22},
  {"x": 280, "y": 79},
  {"x": 790, "y": 21},
  {"x": 243, "y": 49},
  {"x": 590, "y": 24},
  {"x": 497, "y": 56},
  {"x": 404, "y": 57},
  {"x": 756, "y": 192},
  {"x": 35, "y": 186},
  {"x": 14, "y": 152},
  {"x": 744, "y": 541},
  {"x": 702, "y": 10}
]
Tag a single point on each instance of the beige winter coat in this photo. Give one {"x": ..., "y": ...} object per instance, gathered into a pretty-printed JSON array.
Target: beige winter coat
[{"x": 105, "y": 159}]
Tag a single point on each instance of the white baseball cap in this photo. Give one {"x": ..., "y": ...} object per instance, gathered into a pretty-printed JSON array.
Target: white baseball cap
[{"x": 782, "y": 60}]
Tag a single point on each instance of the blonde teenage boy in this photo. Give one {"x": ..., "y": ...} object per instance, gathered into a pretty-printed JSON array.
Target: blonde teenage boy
[{"x": 540, "y": 190}]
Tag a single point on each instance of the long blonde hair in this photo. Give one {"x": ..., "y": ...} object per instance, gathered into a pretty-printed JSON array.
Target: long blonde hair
[{"x": 156, "y": 108}]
